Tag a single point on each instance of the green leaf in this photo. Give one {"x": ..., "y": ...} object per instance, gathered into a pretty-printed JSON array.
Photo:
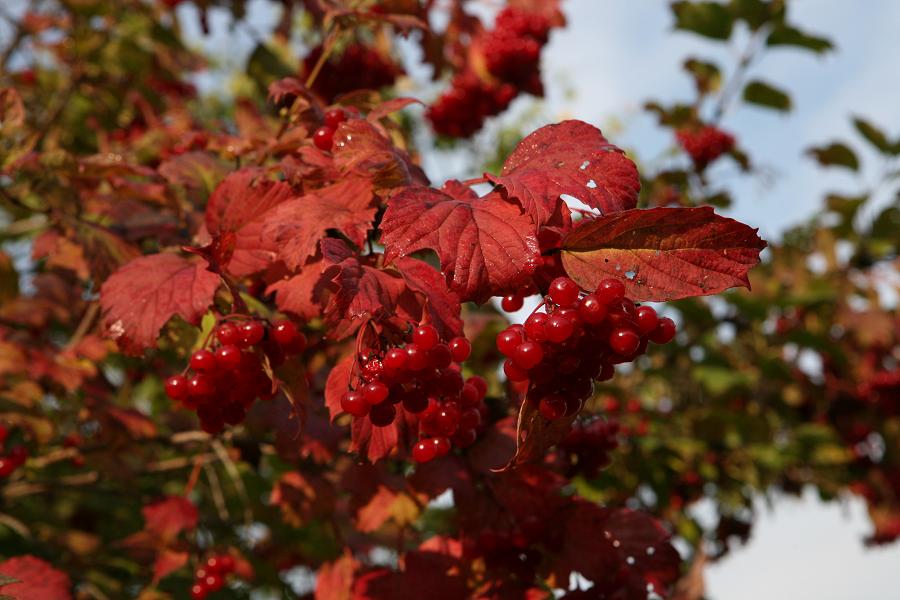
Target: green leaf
[
  {"x": 874, "y": 136},
  {"x": 756, "y": 13},
  {"x": 709, "y": 19},
  {"x": 835, "y": 154},
  {"x": 763, "y": 94},
  {"x": 785, "y": 35}
]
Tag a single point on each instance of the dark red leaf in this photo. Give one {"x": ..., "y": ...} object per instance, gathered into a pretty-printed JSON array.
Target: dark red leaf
[
  {"x": 296, "y": 293},
  {"x": 441, "y": 305},
  {"x": 167, "y": 518},
  {"x": 361, "y": 148},
  {"x": 36, "y": 579},
  {"x": 663, "y": 253},
  {"x": 390, "y": 106}
]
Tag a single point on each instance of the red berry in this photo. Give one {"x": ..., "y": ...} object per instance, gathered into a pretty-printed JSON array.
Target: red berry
[
  {"x": 416, "y": 357},
  {"x": 513, "y": 372},
  {"x": 563, "y": 291},
  {"x": 176, "y": 387},
  {"x": 198, "y": 591},
  {"x": 228, "y": 333},
  {"x": 382, "y": 414},
  {"x": 373, "y": 369},
  {"x": 528, "y": 355},
  {"x": 535, "y": 326},
  {"x": 469, "y": 418},
  {"x": 646, "y": 319},
  {"x": 213, "y": 582},
  {"x": 424, "y": 451},
  {"x": 440, "y": 356},
  {"x": 201, "y": 386},
  {"x": 441, "y": 445},
  {"x": 252, "y": 333},
  {"x": 395, "y": 359},
  {"x": 285, "y": 333},
  {"x": 609, "y": 290},
  {"x": 469, "y": 395},
  {"x": 479, "y": 383},
  {"x": 354, "y": 404},
  {"x": 664, "y": 332},
  {"x": 447, "y": 419},
  {"x": 323, "y": 138},
  {"x": 552, "y": 407},
  {"x": 512, "y": 303},
  {"x": 425, "y": 336},
  {"x": 335, "y": 117},
  {"x": 226, "y": 561},
  {"x": 592, "y": 310},
  {"x": 375, "y": 393},
  {"x": 624, "y": 341},
  {"x": 460, "y": 349},
  {"x": 228, "y": 358},
  {"x": 7, "y": 466},
  {"x": 558, "y": 328},
  {"x": 508, "y": 340},
  {"x": 203, "y": 361},
  {"x": 464, "y": 438}
]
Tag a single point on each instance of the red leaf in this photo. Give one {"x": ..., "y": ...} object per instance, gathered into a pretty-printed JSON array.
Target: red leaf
[
  {"x": 571, "y": 158},
  {"x": 390, "y": 106},
  {"x": 485, "y": 245},
  {"x": 441, "y": 304},
  {"x": 337, "y": 385},
  {"x": 168, "y": 561},
  {"x": 137, "y": 424},
  {"x": 37, "y": 579},
  {"x": 429, "y": 575},
  {"x": 376, "y": 442},
  {"x": 295, "y": 294},
  {"x": 295, "y": 228},
  {"x": 663, "y": 253},
  {"x": 359, "y": 146},
  {"x": 240, "y": 204},
  {"x": 167, "y": 518},
  {"x": 139, "y": 298},
  {"x": 334, "y": 581}
]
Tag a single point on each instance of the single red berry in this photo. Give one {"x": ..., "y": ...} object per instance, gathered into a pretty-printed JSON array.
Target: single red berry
[
  {"x": 198, "y": 591},
  {"x": 424, "y": 451},
  {"x": 203, "y": 361},
  {"x": 395, "y": 359},
  {"x": 624, "y": 341},
  {"x": 512, "y": 303},
  {"x": 425, "y": 336},
  {"x": 528, "y": 355},
  {"x": 335, "y": 117},
  {"x": 382, "y": 414},
  {"x": 460, "y": 349},
  {"x": 323, "y": 138},
  {"x": 469, "y": 395},
  {"x": 563, "y": 291},
  {"x": 535, "y": 326},
  {"x": 7, "y": 466},
  {"x": 375, "y": 393},
  {"x": 228, "y": 358},
  {"x": 176, "y": 387},
  {"x": 284, "y": 332},
  {"x": 464, "y": 438},
  {"x": 201, "y": 386},
  {"x": 226, "y": 561},
  {"x": 354, "y": 403},
  {"x": 664, "y": 332},
  {"x": 252, "y": 333},
  {"x": 558, "y": 328},
  {"x": 416, "y": 357},
  {"x": 591, "y": 310},
  {"x": 609, "y": 290},
  {"x": 213, "y": 582},
  {"x": 441, "y": 445},
  {"x": 513, "y": 372},
  {"x": 440, "y": 356},
  {"x": 228, "y": 333},
  {"x": 480, "y": 384},
  {"x": 508, "y": 340},
  {"x": 552, "y": 406},
  {"x": 646, "y": 319},
  {"x": 447, "y": 419},
  {"x": 470, "y": 418}
]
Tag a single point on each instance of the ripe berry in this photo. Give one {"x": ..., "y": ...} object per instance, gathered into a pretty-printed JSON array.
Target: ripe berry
[
  {"x": 464, "y": 438},
  {"x": 395, "y": 359},
  {"x": 226, "y": 562},
  {"x": 228, "y": 358},
  {"x": 213, "y": 582},
  {"x": 563, "y": 291},
  {"x": 508, "y": 340},
  {"x": 558, "y": 328},
  {"x": 469, "y": 395},
  {"x": 592, "y": 310},
  {"x": 512, "y": 303},
  {"x": 664, "y": 332},
  {"x": 177, "y": 387},
  {"x": 7, "y": 466},
  {"x": 441, "y": 445},
  {"x": 425, "y": 336},
  {"x": 323, "y": 138},
  {"x": 355, "y": 404},
  {"x": 460, "y": 349},
  {"x": 469, "y": 418},
  {"x": 513, "y": 372},
  {"x": 646, "y": 319},
  {"x": 382, "y": 414},
  {"x": 609, "y": 290},
  {"x": 552, "y": 407},
  {"x": 335, "y": 117},
  {"x": 198, "y": 591},
  {"x": 289, "y": 337},
  {"x": 203, "y": 361},
  {"x": 200, "y": 386},
  {"x": 416, "y": 357},
  {"x": 535, "y": 326},
  {"x": 447, "y": 419},
  {"x": 372, "y": 369},
  {"x": 228, "y": 333},
  {"x": 375, "y": 393},
  {"x": 624, "y": 341},
  {"x": 528, "y": 355},
  {"x": 479, "y": 383},
  {"x": 252, "y": 333},
  {"x": 424, "y": 451},
  {"x": 440, "y": 357}
]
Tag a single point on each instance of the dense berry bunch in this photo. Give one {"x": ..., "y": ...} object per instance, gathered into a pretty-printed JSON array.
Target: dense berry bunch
[
  {"x": 14, "y": 458},
  {"x": 212, "y": 576},
  {"x": 229, "y": 375},
  {"x": 704, "y": 144},
  {"x": 358, "y": 67},
  {"x": 423, "y": 377},
  {"x": 576, "y": 340},
  {"x": 461, "y": 110},
  {"x": 587, "y": 447}
]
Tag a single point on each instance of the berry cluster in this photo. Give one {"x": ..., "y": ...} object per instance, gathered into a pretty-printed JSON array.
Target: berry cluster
[
  {"x": 587, "y": 447},
  {"x": 512, "y": 52},
  {"x": 12, "y": 460},
  {"x": 211, "y": 577},
  {"x": 578, "y": 339},
  {"x": 358, "y": 67},
  {"x": 422, "y": 377},
  {"x": 323, "y": 137},
  {"x": 229, "y": 377},
  {"x": 704, "y": 144}
]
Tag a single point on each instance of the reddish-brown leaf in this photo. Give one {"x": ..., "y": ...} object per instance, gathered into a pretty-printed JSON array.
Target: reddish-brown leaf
[
  {"x": 441, "y": 304},
  {"x": 296, "y": 293},
  {"x": 485, "y": 245},
  {"x": 337, "y": 385},
  {"x": 570, "y": 158},
  {"x": 536, "y": 434},
  {"x": 138, "y": 299},
  {"x": 334, "y": 581},
  {"x": 240, "y": 204},
  {"x": 374, "y": 442},
  {"x": 295, "y": 228},
  {"x": 36, "y": 579},
  {"x": 360, "y": 147},
  {"x": 168, "y": 561},
  {"x": 167, "y": 518},
  {"x": 388, "y": 107},
  {"x": 663, "y": 253},
  {"x": 426, "y": 574}
]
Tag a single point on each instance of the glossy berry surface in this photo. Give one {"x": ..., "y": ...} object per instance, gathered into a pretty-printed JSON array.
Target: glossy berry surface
[
  {"x": 323, "y": 138},
  {"x": 563, "y": 291}
]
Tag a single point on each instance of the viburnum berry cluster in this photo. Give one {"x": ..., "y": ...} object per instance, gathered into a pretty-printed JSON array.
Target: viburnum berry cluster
[
  {"x": 704, "y": 144},
  {"x": 14, "y": 458},
  {"x": 212, "y": 575},
  {"x": 512, "y": 52},
  {"x": 576, "y": 340},
  {"x": 230, "y": 374},
  {"x": 423, "y": 376}
]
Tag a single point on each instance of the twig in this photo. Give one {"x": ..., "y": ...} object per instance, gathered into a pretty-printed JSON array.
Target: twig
[
  {"x": 215, "y": 487},
  {"x": 235, "y": 476}
]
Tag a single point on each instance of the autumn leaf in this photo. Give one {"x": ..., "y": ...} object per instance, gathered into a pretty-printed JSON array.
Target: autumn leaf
[
  {"x": 441, "y": 305},
  {"x": 168, "y": 561},
  {"x": 485, "y": 245},
  {"x": 296, "y": 293},
  {"x": 334, "y": 581},
  {"x": 571, "y": 158},
  {"x": 35, "y": 578},
  {"x": 169, "y": 517},
  {"x": 138, "y": 299},
  {"x": 535, "y": 434},
  {"x": 361, "y": 148},
  {"x": 663, "y": 253},
  {"x": 337, "y": 385}
]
